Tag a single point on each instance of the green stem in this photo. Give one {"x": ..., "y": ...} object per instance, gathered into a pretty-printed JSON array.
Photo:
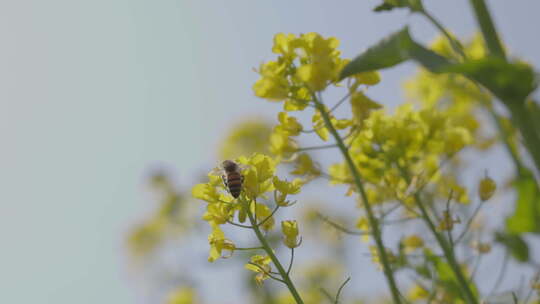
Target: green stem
[
  {"x": 270, "y": 252},
  {"x": 453, "y": 42},
  {"x": 445, "y": 246},
  {"x": 488, "y": 28},
  {"x": 521, "y": 117},
  {"x": 373, "y": 222}
]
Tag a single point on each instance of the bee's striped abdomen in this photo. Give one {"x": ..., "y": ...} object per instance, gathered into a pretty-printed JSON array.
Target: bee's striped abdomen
[{"x": 234, "y": 182}]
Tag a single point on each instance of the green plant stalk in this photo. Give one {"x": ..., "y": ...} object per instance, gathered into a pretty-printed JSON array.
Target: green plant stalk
[
  {"x": 270, "y": 252},
  {"x": 521, "y": 117},
  {"x": 488, "y": 28},
  {"x": 447, "y": 249},
  {"x": 453, "y": 42},
  {"x": 373, "y": 222}
]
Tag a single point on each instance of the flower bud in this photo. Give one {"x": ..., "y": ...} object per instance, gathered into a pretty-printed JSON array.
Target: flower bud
[
  {"x": 486, "y": 188},
  {"x": 290, "y": 231}
]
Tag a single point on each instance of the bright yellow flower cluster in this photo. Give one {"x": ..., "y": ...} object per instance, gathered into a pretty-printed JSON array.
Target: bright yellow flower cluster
[
  {"x": 412, "y": 142},
  {"x": 452, "y": 92},
  {"x": 259, "y": 181},
  {"x": 305, "y": 63}
]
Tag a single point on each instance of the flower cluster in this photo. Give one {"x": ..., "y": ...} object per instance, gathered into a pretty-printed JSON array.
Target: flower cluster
[
  {"x": 390, "y": 149},
  {"x": 259, "y": 183}
]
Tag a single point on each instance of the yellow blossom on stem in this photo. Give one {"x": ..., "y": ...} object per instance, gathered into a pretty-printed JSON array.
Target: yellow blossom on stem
[
  {"x": 447, "y": 222},
  {"x": 413, "y": 242},
  {"x": 363, "y": 225},
  {"x": 288, "y": 125},
  {"x": 368, "y": 78},
  {"x": 264, "y": 214},
  {"x": 417, "y": 292},
  {"x": 261, "y": 265},
  {"x": 486, "y": 188},
  {"x": 218, "y": 243},
  {"x": 281, "y": 145},
  {"x": 273, "y": 85},
  {"x": 290, "y": 233},
  {"x": 284, "y": 188},
  {"x": 304, "y": 166}
]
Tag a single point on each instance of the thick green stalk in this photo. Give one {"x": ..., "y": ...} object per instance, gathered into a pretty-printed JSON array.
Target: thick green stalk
[
  {"x": 270, "y": 252},
  {"x": 373, "y": 222},
  {"x": 487, "y": 27},
  {"x": 447, "y": 249},
  {"x": 453, "y": 42},
  {"x": 523, "y": 120}
]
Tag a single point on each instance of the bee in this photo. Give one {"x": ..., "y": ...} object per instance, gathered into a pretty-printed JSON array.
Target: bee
[{"x": 232, "y": 177}]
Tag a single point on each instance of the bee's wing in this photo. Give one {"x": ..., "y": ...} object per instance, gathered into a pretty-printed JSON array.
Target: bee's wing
[{"x": 217, "y": 171}]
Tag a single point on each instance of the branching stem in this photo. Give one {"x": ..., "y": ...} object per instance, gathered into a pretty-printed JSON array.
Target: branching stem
[{"x": 373, "y": 222}]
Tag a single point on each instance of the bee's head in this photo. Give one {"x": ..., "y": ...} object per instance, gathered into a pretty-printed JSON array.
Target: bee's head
[{"x": 229, "y": 166}]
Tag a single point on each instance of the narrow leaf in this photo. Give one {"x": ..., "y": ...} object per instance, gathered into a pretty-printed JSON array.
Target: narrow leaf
[
  {"x": 387, "y": 53},
  {"x": 510, "y": 82},
  {"x": 526, "y": 217},
  {"x": 514, "y": 244}
]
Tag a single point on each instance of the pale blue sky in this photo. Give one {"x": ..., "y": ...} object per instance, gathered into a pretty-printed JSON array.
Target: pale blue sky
[{"x": 94, "y": 93}]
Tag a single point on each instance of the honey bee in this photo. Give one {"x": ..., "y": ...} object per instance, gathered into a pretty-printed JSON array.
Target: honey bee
[{"x": 232, "y": 177}]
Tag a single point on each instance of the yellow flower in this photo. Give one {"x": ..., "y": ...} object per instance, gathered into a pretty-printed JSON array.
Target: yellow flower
[
  {"x": 413, "y": 242},
  {"x": 290, "y": 233},
  {"x": 273, "y": 85},
  {"x": 146, "y": 237},
  {"x": 304, "y": 165},
  {"x": 218, "y": 213},
  {"x": 285, "y": 44},
  {"x": 487, "y": 188},
  {"x": 363, "y": 225},
  {"x": 261, "y": 265},
  {"x": 284, "y": 188},
  {"x": 362, "y": 106},
  {"x": 246, "y": 137},
  {"x": 375, "y": 258},
  {"x": 480, "y": 247},
  {"x": 218, "y": 243},
  {"x": 258, "y": 175},
  {"x": 447, "y": 222},
  {"x": 263, "y": 214},
  {"x": 288, "y": 125},
  {"x": 319, "y": 126},
  {"x": 417, "y": 292},
  {"x": 322, "y": 63},
  {"x": 205, "y": 192},
  {"x": 368, "y": 78},
  {"x": 281, "y": 145},
  {"x": 182, "y": 295}
]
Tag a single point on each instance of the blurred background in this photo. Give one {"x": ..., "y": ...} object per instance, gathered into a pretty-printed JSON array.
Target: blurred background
[{"x": 97, "y": 95}]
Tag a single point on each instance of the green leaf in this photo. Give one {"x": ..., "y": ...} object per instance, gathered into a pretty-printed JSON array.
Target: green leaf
[
  {"x": 388, "y": 5},
  {"x": 387, "y": 53},
  {"x": 514, "y": 244},
  {"x": 510, "y": 82},
  {"x": 533, "y": 109},
  {"x": 526, "y": 217},
  {"x": 392, "y": 51}
]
